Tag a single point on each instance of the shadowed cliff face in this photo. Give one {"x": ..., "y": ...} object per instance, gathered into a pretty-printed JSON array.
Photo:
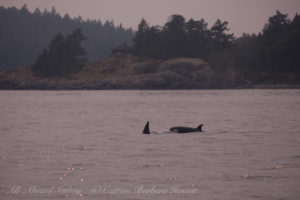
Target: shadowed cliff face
[{"x": 129, "y": 72}]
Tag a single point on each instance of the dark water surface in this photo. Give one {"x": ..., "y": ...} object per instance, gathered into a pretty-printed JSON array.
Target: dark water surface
[{"x": 88, "y": 145}]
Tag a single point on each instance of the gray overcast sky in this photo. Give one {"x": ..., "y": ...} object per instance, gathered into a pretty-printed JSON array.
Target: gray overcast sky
[{"x": 247, "y": 16}]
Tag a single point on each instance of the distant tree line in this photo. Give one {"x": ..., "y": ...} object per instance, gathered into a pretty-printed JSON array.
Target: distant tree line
[
  {"x": 23, "y": 35},
  {"x": 274, "y": 50}
]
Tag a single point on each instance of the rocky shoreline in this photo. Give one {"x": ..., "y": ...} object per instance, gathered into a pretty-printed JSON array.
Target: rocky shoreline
[{"x": 126, "y": 72}]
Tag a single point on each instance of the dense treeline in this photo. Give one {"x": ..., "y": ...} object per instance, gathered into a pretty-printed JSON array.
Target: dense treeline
[
  {"x": 181, "y": 38},
  {"x": 23, "y": 35},
  {"x": 64, "y": 56},
  {"x": 274, "y": 50}
]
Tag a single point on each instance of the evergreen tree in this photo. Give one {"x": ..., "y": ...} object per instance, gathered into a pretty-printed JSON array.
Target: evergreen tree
[
  {"x": 197, "y": 38},
  {"x": 220, "y": 40},
  {"x": 174, "y": 37},
  {"x": 276, "y": 23},
  {"x": 63, "y": 56},
  {"x": 140, "y": 36}
]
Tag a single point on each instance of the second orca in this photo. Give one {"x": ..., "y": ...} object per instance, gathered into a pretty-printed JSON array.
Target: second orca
[{"x": 176, "y": 129}]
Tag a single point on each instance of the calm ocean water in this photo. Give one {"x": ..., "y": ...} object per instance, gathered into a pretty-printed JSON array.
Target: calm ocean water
[{"x": 88, "y": 145}]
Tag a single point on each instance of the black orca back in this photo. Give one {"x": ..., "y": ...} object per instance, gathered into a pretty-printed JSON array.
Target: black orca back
[{"x": 182, "y": 129}]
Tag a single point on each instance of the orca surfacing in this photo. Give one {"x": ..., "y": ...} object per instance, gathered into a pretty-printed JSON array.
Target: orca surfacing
[{"x": 176, "y": 129}]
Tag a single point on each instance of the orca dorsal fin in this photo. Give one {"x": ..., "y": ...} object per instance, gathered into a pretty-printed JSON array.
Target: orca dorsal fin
[
  {"x": 146, "y": 129},
  {"x": 200, "y": 127}
]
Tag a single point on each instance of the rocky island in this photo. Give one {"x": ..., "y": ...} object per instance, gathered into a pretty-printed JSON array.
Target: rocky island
[{"x": 183, "y": 54}]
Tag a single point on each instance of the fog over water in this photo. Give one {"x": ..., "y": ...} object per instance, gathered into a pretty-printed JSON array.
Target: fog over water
[{"x": 89, "y": 145}]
